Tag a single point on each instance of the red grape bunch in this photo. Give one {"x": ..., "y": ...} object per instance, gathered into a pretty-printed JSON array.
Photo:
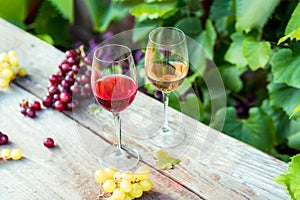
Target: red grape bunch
[
  {"x": 68, "y": 82},
  {"x": 29, "y": 109}
]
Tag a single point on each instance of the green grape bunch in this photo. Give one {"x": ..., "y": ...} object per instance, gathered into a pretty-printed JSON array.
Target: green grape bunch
[
  {"x": 123, "y": 185},
  {"x": 9, "y": 68}
]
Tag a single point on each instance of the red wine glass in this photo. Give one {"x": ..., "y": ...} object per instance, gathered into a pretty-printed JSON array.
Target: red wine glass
[
  {"x": 114, "y": 84},
  {"x": 166, "y": 66}
]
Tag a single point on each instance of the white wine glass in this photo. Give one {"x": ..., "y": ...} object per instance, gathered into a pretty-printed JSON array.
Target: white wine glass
[
  {"x": 166, "y": 66},
  {"x": 114, "y": 85}
]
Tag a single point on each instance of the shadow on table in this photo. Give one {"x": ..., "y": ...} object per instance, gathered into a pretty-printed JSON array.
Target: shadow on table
[{"x": 156, "y": 195}]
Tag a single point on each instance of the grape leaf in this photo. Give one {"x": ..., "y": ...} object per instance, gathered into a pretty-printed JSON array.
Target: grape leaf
[
  {"x": 294, "y": 22},
  {"x": 253, "y": 14},
  {"x": 154, "y": 11},
  {"x": 142, "y": 28},
  {"x": 295, "y": 111},
  {"x": 291, "y": 179},
  {"x": 222, "y": 12},
  {"x": 234, "y": 54},
  {"x": 281, "y": 122},
  {"x": 97, "y": 11},
  {"x": 14, "y": 11},
  {"x": 231, "y": 77},
  {"x": 257, "y": 53},
  {"x": 207, "y": 39},
  {"x": 285, "y": 67},
  {"x": 94, "y": 109},
  {"x": 190, "y": 25},
  {"x": 257, "y": 130},
  {"x": 49, "y": 21},
  {"x": 164, "y": 160},
  {"x": 114, "y": 12},
  {"x": 294, "y": 141},
  {"x": 65, "y": 8},
  {"x": 293, "y": 35},
  {"x": 285, "y": 97}
]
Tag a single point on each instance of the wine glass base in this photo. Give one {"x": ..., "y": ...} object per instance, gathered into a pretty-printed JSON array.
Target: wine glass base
[
  {"x": 123, "y": 159},
  {"x": 168, "y": 139}
]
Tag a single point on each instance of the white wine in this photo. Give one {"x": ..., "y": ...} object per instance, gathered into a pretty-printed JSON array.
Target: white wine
[{"x": 166, "y": 76}]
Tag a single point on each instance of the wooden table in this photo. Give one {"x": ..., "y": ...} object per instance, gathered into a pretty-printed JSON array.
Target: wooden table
[{"x": 213, "y": 165}]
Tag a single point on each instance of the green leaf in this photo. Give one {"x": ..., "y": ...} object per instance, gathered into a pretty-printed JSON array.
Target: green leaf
[
  {"x": 295, "y": 111},
  {"x": 253, "y": 14},
  {"x": 49, "y": 21},
  {"x": 258, "y": 130},
  {"x": 45, "y": 37},
  {"x": 293, "y": 35},
  {"x": 234, "y": 54},
  {"x": 291, "y": 179},
  {"x": 164, "y": 160},
  {"x": 65, "y": 7},
  {"x": 285, "y": 97},
  {"x": 294, "y": 141},
  {"x": 257, "y": 53},
  {"x": 231, "y": 77},
  {"x": 97, "y": 10},
  {"x": 14, "y": 11},
  {"x": 114, "y": 12},
  {"x": 294, "y": 22},
  {"x": 94, "y": 109},
  {"x": 190, "y": 25},
  {"x": 142, "y": 28},
  {"x": 283, "y": 125},
  {"x": 155, "y": 10},
  {"x": 222, "y": 12},
  {"x": 207, "y": 39},
  {"x": 192, "y": 107},
  {"x": 285, "y": 67}
]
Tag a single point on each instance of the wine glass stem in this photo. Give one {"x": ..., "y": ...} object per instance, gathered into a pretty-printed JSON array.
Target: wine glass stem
[
  {"x": 117, "y": 119},
  {"x": 165, "y": 127}
]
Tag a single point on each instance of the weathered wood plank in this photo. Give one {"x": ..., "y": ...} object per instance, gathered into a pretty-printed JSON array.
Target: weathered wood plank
[{"x": 213, "y": 165}]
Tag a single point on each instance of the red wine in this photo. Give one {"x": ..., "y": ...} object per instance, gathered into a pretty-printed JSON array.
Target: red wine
[{"x": 115, "y": 93}]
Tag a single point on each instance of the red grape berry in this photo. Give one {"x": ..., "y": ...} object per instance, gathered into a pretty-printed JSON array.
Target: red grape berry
[
  {"x": 3, "y": 138},
  {"x": 36, "y": 106},
  {"x": 49, "y": 143},
  {"x": 30, "y": 112}
]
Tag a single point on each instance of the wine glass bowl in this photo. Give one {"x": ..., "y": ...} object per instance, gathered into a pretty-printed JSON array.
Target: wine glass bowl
[
  {"x": 166, "y": 66},
  {"x": 114, "y": 85}
]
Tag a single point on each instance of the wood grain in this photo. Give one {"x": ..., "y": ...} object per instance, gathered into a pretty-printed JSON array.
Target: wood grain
[{"x": 214, "y": 166}]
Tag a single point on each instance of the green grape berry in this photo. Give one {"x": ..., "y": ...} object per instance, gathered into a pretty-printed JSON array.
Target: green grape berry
[
  {"x": 110, "y": 171},
  {"x": 118, "y": 194},
  {"x": 146, "y": 185},
  {"x": 126, "y": 186},
  {"x": 109, "y": 186},
  {"x": 100, "y": 176},
  {"x": 136, "y": 191}
]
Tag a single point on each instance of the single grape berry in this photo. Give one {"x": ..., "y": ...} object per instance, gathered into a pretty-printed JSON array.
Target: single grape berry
[
  {"x": 47, "y": 101},
  {"x": 36, "y": 105},
  {"x": 49, "y": 143},
  {"x": 65, "y": 97},
  {"x": 3, "y": 139},
  {"x": 59, "y": 105},
  {"x": 30, "y": 112},
  {"x": 71, "y": 53}
]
